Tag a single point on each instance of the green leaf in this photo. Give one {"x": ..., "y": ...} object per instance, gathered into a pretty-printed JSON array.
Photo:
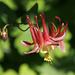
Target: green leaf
[
  {"x": 1, "y": 54},
  {"x": 10, "y": 72},
  {"x": 10, "y": 3},
  {"x": 70, "y": 73},
  {"x": 1, "y": 70},
  {"x": 47, "y": 69},
  {"x": 31, "y": 13},
  {"x": 4, "y": 48},
  {"x": 25, "y": 70},
  {"x": 6, "y": 14},
  {"x": 20, "y": 35}
]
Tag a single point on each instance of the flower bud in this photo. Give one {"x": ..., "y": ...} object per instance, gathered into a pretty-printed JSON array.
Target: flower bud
[
  {"x": 0, "y": 32},
  {"x": 4, "y": 34}
]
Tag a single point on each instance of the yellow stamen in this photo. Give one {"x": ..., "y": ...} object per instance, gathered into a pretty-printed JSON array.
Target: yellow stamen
[{"x": 48, "y": 57}]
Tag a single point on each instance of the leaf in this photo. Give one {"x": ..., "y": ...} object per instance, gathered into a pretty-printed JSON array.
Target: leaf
[
  {"x": 6, "y": 14},
  {"x": 25, "y": 70},
  {"x": 1, "y": 54},
  {"x": 4, "y": 48},
  {"x": 10, "y": 3},
  {"x": 20, "y": 35},
  {"x": 10, "y": 72},
  {"x": 1, "y": 70},
  {"x": 47, "y": 69},
  {"x": 31, "y": 13}
]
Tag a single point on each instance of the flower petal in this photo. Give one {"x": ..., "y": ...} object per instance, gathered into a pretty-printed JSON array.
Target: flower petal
[
  {"x": 65, "y": 27},
  {"x": 45, "y": 31},
  {"x": 26, "y": 44},
  {"x": 51, "y": 42},
  {"x": 36, "y": 34},
  {"x": 31, "y": 29},
  {"x": 62, "y": 46},
  {"x": 59, "y": 28},
  {"x": 41, "y": 40},
  {"x": 64, "y": 30},
  {"x": 36, "y": 48},
  {"x": 58, "y": 38},
  {"x": 50, "y": 33}
]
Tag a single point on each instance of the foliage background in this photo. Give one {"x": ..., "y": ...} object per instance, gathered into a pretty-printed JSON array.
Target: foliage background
[{"x": 12, "y": 58}]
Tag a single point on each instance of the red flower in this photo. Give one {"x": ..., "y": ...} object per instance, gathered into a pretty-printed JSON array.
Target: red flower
[
  {"x": 58, "y": 35},
  {"x": 40, "y": 41}
]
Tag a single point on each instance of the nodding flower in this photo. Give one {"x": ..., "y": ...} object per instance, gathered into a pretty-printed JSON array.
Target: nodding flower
[
  {"x": 4, "y": 34},
  {"x": 57, "y": 34},
  {"x": 42, "y": 42}
]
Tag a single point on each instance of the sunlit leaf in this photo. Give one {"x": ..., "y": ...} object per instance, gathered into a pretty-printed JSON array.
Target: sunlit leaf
[
  {"x": 6, "y": 14},
  {"x": 1, "y": 54},
  {"x": 10, "y": 72},
  {"x": 25, "y": 70},
  {"x": 41, "y": 5},
  {"x": 70, "y": 73},
  {"x": 10, "y": 3},
  {"x": 31, "y": 13},
  {"x": 47, "y": 69},
  {"x": 20, "y": 35},
  {"x": 4, "y": 48},
  {"x": 1, "y": 70}
]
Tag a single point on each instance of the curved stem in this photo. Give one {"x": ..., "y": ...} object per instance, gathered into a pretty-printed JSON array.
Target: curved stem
[{"x": 16, "y": 25}]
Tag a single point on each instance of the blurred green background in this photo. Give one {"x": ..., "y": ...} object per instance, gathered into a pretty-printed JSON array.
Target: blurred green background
[{"x": 12, "y": 58}]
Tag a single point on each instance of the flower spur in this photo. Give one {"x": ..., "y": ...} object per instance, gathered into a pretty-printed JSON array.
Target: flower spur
[{"x": 58, "y": 34}]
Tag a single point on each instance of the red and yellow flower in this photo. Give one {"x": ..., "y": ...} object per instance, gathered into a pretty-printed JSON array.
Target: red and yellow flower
[{"x": 42, "y": 42}]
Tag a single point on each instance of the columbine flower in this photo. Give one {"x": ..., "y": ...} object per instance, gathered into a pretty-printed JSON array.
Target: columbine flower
[
  {"x": 41, "y": 42},
  {"x": 58, "y": 35}
]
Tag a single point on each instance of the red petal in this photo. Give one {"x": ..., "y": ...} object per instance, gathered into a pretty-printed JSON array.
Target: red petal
[
  {"x": 45, "y": 31},
  {"x": 58, "y": 19},
  {"x": 41, "y": 40},
  {"x": 62, "y": 33},
  {"x": 36, "y": 34},
  {"x": 49, "y": 29},
  {"x": 31, "y": 30},
  {"x": 36, "y": 48},
  {"x": 58, "y": 38},
  {"x": 65, "y": 27},
  {"x": 26, "y": 44},
  {"x": 62, "y": 24},
  {"x": 51, "y": 42},
  {"x": 53, "y": 31},
  {"x": 59, "y": 28},
  {"x": 62, "y": 46}
]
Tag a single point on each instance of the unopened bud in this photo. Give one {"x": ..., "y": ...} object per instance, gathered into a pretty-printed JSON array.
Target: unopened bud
[
  {"x": 0, "y": 32},
  {"x": 4, "y": 34}
]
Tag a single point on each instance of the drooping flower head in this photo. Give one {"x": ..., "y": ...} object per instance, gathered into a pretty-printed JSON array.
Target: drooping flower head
[
  {"x": 58, "y": 34},
  {"x": 4, "y": 33},
  {"x": 41, "y": 41}
]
